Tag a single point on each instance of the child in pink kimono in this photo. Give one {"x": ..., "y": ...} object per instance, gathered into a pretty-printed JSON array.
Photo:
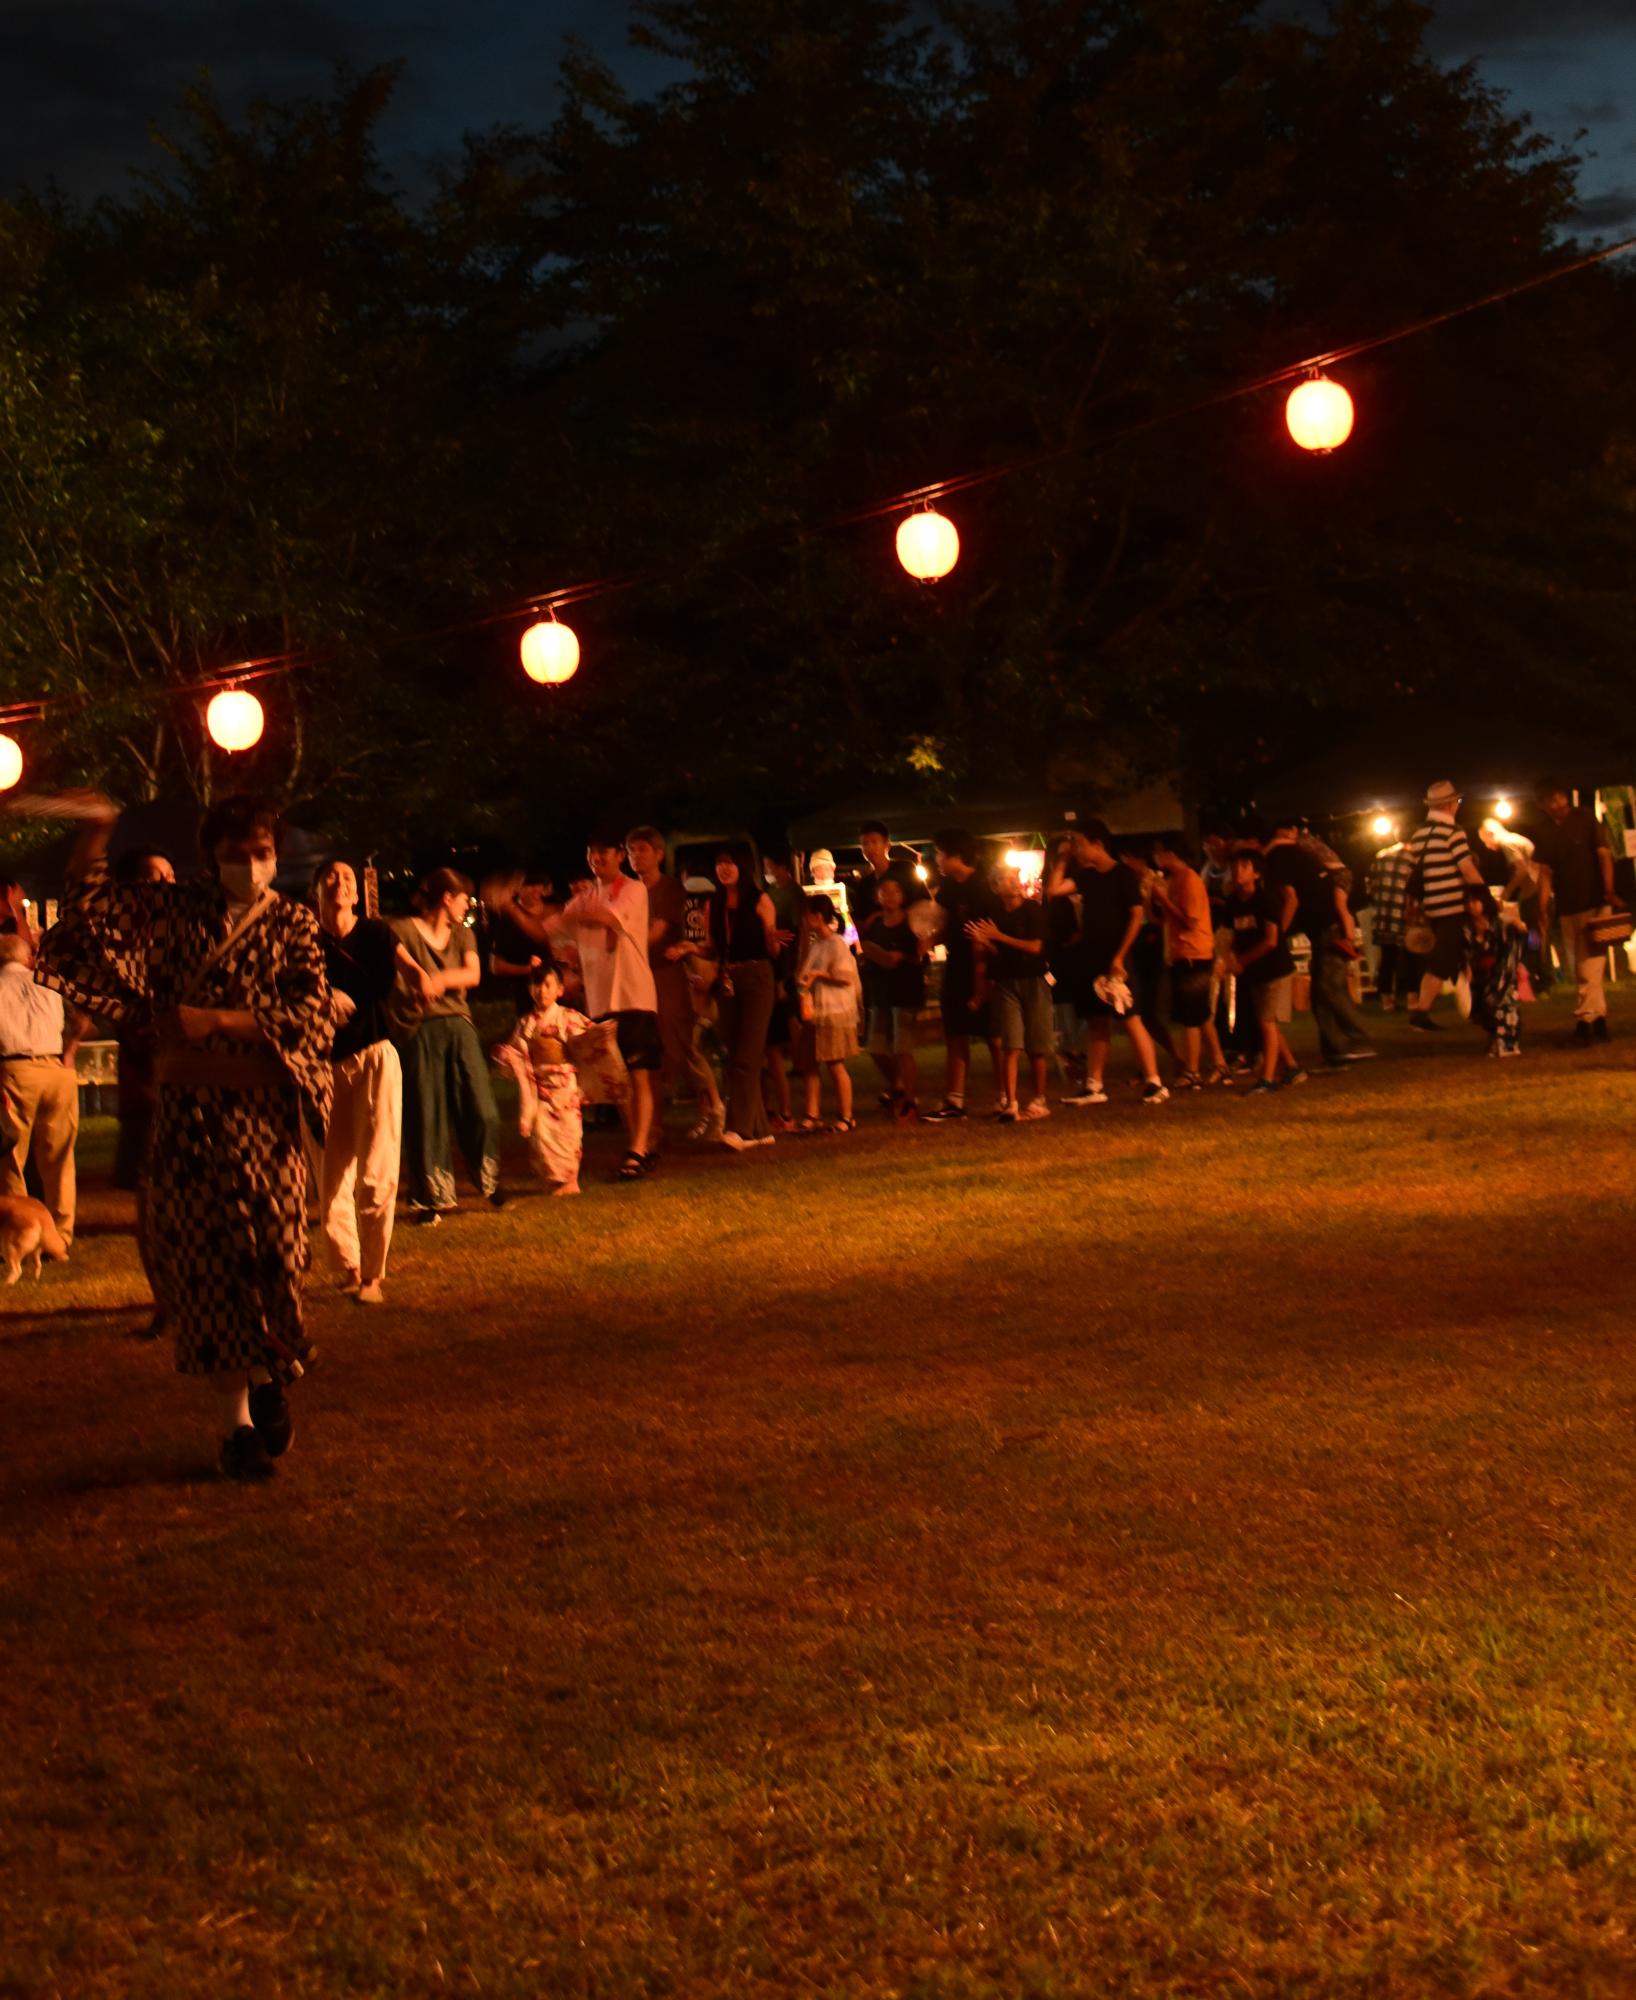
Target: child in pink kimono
[{"x": 536, "y": 1054}]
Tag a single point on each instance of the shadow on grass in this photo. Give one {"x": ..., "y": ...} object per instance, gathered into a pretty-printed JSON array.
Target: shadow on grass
[
  {"x": 127, "y": 1474},
  {"x": 47, "y": 1323}
]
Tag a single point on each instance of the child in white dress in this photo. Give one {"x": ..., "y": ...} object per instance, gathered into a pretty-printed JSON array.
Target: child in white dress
[
  {"x": 828, "y": 990},
  {"x": 537, "y": 1055}
]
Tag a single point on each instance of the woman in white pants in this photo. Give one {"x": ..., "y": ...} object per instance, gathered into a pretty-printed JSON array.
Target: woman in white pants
[{"x": 362, "y": 957}]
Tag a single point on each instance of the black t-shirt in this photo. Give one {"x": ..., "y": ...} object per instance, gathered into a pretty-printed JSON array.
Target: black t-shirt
[
  {"x": 963, "y": 903},
  {"x": 863, "y": 892},
  {"x": 863, "y": 900},
  {"x": 1027, "y": 920},
  {"x": 1063, "y": 949},
  {"x": 506, "y": 940},
  {"x": 1107, "y": 897},
  {"x": 1569, "y": 851},
  {"x": 364, "y": 966},
  {"x": 901, "y": 985},
  {"x": 1292, "y": 867},
  {"x": 1248, "y": 916}
]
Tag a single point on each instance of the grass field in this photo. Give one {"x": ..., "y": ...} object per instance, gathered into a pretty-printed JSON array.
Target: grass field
[{"x": 1147, "y": 1553}]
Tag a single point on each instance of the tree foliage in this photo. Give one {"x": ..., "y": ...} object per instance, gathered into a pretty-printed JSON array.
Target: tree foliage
[{"x": 267, "y": 403}]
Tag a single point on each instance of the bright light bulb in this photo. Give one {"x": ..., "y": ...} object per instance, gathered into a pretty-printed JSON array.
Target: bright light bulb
[
  {"x": 928, "y": 545},
  {"x": 550, "y": 653},
  {"x": 1319, "y": 414},
  {"x": 1029, "y": 862},
  {"x": 11, "y": 762},
  {"x": 921, "y": 872},
  {"x": 235, "y": 720},
  {"x": 1503, "y": 809},
  {"x": 1382, "y": 825}
]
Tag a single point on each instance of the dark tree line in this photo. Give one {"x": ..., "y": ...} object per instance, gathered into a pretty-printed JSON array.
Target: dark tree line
[{"x": 265, "y": 402}]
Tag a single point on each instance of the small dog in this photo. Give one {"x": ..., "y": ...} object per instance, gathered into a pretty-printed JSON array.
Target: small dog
[{"x": 26, "y": 1228}]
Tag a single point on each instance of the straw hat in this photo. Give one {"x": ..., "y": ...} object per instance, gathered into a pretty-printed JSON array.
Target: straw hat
[{"x": 1443, "y": 794}]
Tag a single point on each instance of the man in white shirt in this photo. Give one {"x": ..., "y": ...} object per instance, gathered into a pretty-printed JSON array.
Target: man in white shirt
[
  {"x": 39, "y": 1097},
  {"x": 610, "y": 924}
]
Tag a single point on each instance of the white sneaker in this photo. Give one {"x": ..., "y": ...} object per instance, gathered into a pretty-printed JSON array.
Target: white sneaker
[
  {"x": 1037, "y": 1108},
  {"x": 734, "y": 1142},
  {"x": 1093, "y": 1093},
  {"x": 1154, "y": 1092}
]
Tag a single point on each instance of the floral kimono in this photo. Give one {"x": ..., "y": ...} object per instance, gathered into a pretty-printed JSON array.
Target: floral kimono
[
  {"x": 538, "y": 1056},
  {"x": 1493, "y": 957},
  {"x": 226, "y": 1212}
]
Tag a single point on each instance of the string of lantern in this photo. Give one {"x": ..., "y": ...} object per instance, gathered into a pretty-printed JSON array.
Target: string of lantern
[{"x": 1319, "y": 415}]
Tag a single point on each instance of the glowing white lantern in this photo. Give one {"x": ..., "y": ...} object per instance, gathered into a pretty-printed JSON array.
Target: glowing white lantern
[
  {"x": 1382, "y": 825},
  {"x": 550, "y": 653},
  {"x": 1503, "y": 810},
  {"x": 928, "y": 545},
  {"x": 11, "y": 762},
  {"x": 1319, "y": 414},
  {"x": 234, "y": 719}
]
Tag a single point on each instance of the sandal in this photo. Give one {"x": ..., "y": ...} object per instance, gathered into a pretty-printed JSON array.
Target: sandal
[
  {"x": 811, "y": 1125},
  {"x": 632, "y": 1167},
  {"x": 707, "y": 1129},
  {"x": 844, "y": 1125}
]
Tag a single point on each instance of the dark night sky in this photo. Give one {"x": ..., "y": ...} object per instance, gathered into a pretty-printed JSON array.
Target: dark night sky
[{"x": 81, "y": 81}]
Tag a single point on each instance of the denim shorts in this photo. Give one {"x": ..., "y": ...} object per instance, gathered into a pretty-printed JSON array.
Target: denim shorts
[
  {"x": 893, "y": 1031},
  {"x": 1024, "y": 1018}
]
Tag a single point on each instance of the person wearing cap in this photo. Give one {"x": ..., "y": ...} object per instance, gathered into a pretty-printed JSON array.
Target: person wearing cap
[
  {"x": 1440, "y": 861},
  {"x": 1575, "y": 865}
]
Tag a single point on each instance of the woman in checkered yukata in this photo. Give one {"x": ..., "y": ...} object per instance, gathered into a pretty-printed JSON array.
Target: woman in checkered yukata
[{"x": 231, "y": 976}]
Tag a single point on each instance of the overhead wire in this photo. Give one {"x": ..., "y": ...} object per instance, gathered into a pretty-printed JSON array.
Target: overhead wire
[{"x": 566, "y": 596}]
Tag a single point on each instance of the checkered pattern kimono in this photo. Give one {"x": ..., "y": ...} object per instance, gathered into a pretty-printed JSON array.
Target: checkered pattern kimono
[
  {"x": 225, "y": 1215},
  {"x": 1389, "y": 874}
]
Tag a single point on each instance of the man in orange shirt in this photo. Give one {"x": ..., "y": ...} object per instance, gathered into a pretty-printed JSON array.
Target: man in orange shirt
[{"x": 1184, "y": 903}]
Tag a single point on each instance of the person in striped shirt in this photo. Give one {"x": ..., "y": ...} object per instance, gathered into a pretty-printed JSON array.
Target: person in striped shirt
[{"x": 1440, "y": 855}]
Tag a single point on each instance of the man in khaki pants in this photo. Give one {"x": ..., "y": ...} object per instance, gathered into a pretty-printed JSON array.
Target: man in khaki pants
[{"x": 39, "y": 1098}]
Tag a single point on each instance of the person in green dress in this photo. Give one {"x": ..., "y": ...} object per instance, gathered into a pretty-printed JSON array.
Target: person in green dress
[{"x": 447, "y": 1094}]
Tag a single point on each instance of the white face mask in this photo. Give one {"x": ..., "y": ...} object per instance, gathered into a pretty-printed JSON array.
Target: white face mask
[{"x": 244, "y": 881}]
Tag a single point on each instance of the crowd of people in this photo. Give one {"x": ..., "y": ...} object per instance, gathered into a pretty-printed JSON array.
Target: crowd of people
[{"x": 274, "y": 1048}]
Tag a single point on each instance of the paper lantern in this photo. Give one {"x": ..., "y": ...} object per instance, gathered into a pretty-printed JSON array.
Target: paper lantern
[
  {"x": 234, "y": 719},
  {"x": 550, "y": 653},
  {"x": 1382, "y": 825},
  {"x": 11, "y": 762},
  {"x": 1319, "y": 414},
  {"x": 928, "y": 545},
  {"x": 1503, "y": 810}
]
